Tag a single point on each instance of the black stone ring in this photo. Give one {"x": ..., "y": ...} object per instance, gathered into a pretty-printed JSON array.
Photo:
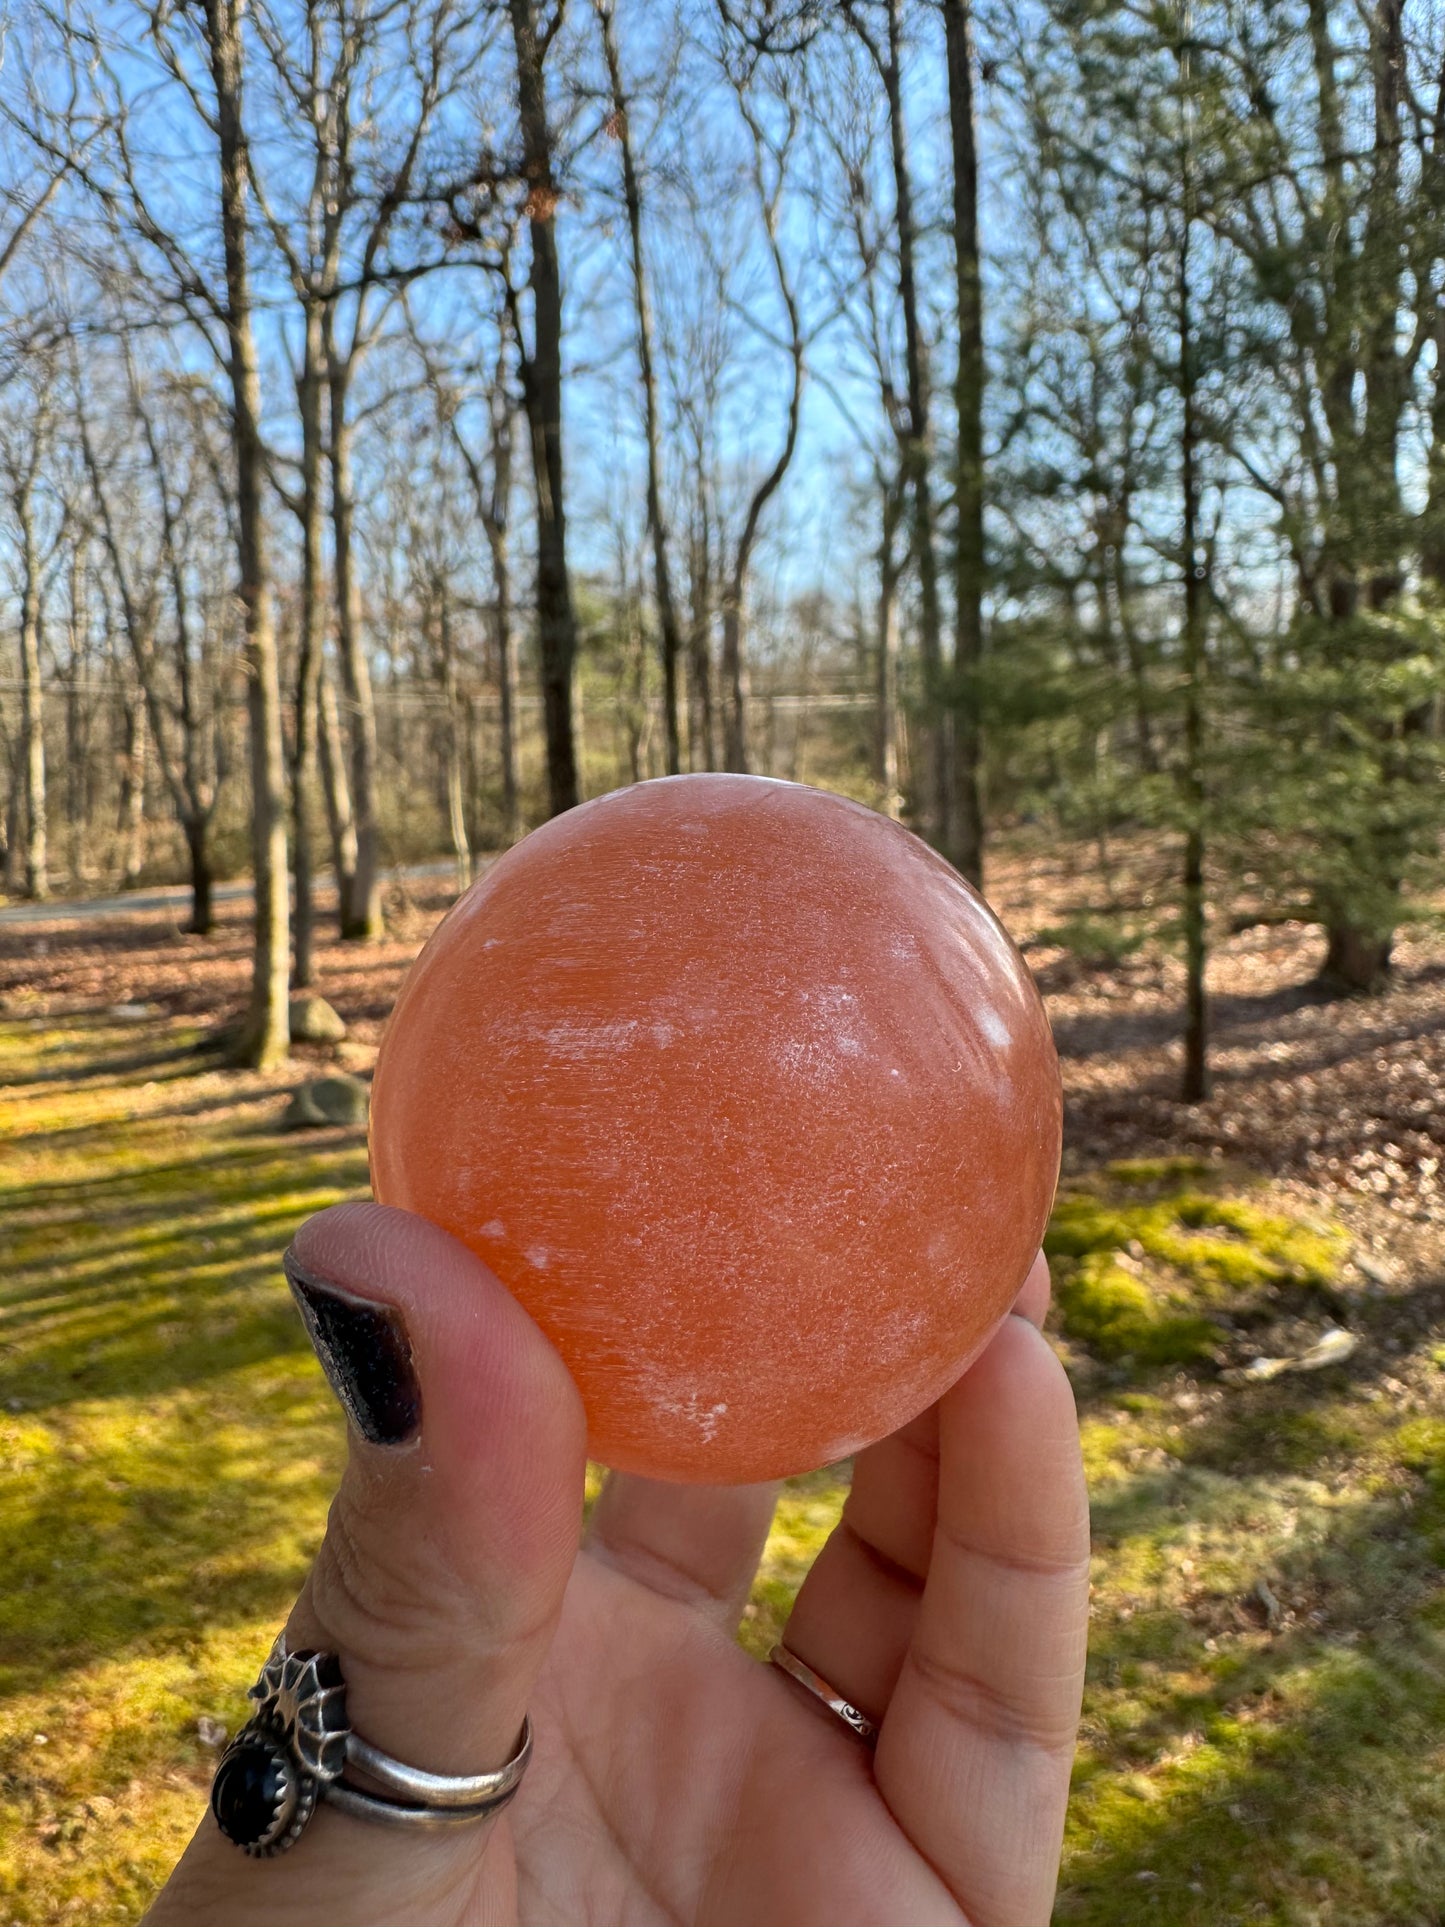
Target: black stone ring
[{"x": 295, "y": 1748}]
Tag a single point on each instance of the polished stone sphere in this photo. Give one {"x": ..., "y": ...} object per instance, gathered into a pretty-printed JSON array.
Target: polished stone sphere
[{"x": 748, "y": 1098}]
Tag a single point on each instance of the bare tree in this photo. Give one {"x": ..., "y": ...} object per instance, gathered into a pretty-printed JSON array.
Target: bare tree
[
  {"x": 619, "y": 124},
  {"x": 885, "y": 722},
  {"x": 1195, "y": 1086},
  {"x": 24, "y": 444},
  {"x": 266, "y": 1037},
  {"x": 768, "y": 170},
  {"x": 202, "y": 54},
  {"x": 490, "y": 475},
  {"x": 150, "y": 545},
  {"x": 965, "y": 830},
  {"x": 366, "y": 81},
  {"x": 695, "y": 362},
  {"x": 541, "y": 373},
  {"x": 41, "y": 489},
  {"x": 911, "y": 412}
]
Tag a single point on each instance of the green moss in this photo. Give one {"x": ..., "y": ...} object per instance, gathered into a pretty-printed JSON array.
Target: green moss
[
  {"x": 1106, "y": 1450},
  {"x": 1317, "y": 1805},
  {"x": 1277, "y": 1249},
  {"x": 1083, "y": 1222},
  {"x": 1117, "y": 1315},
  {"x": 807, "y": 1512},
  {"x": 1242, "y": 1249},
  {"x": 1420, "y": 1444},
  {"x": 1298, "y": 1440},
  {"x": 1142, "y": 1173},
  {"x": 1145, "y": 1272}
]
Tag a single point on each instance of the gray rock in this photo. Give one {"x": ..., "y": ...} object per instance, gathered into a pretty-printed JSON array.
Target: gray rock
[
  {"x": 337, "y": 1099},
  {"x": 313, "y": 1021}
]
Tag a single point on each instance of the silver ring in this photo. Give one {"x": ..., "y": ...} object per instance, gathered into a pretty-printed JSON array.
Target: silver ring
[
  {"x": 370, "y": 1806},
  {"x": 438, "y": 1789},
  {"x": 296, "y": 1747},
  {"x": 814, "y": 1683}
]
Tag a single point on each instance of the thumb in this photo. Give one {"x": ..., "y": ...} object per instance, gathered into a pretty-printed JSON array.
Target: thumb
[
  {"x": 441, "y": 1576},
  {"x": 451, "y": 1539}
]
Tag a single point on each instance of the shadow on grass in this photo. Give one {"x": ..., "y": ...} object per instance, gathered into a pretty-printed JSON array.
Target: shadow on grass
[
  {"x": 1284, "y": 1771},
  {"x": 169, "y": 1442},
  {"x": 142, "y": 1187},
  {"x": 97, "y": 1132},
  {"x": 161, "y": 1274},
  {"x": 145, "y": 1525},
  {"x": 1301, "y": 1421},
  {"x": 178, "y": 1060},
  {"x": 1269, "y": 1755}
]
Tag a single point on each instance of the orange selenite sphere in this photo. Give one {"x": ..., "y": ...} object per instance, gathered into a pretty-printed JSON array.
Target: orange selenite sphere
[{"x": 748, "y": 1098}]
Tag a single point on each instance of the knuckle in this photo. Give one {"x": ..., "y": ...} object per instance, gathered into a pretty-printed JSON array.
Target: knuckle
[
  {"x": 378, "y": 1594},
  {"x": 1017, "y": 1715},
  {"x": 395, "y": 1592}
]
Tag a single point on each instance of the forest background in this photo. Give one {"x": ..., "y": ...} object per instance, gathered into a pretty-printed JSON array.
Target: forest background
[{"x": 417, "y": 415}]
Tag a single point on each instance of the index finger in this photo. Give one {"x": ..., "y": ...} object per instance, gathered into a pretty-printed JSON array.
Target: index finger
[{"x": 976, "y": 1749}]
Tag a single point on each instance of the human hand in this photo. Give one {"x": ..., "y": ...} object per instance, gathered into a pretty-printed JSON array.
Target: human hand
[{"x": 674, "y": 1778}]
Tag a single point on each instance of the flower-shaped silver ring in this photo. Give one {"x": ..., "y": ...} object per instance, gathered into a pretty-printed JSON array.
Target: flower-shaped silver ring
[{"x": 294, "y": 1751}]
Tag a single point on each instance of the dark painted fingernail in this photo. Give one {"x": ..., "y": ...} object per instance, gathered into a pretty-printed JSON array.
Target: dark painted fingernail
[{"x": 366, "y": 1354}]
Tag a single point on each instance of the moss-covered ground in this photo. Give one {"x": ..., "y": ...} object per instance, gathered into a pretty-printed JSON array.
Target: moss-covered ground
[{"x": 1264, "y": 1734}]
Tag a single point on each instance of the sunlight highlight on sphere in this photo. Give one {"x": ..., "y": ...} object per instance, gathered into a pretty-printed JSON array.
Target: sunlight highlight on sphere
[{"x": 748, "y": 1098}]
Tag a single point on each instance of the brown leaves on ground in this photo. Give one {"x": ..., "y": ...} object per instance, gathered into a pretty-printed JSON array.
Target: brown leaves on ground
[{"x": 1343, "y": 1095}]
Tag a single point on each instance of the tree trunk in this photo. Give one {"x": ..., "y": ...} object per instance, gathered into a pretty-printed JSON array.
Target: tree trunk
[
  {"x": 656, "y": 524},
  {"x": 76, "y": 761},
  {"x": 310, "y": 644},
  {"x": 32, "y": 703},
  {"x": 1355, "y": 959},
  {"x": 542, "y": 391},
  {"x": 885, "y": 741},
  {"x": 266, "y": 1037},
  {"x": 133, "y": 796},
  {"x": 335, "y": 789},
  {"x": 14, "y": 827},
  {"x": 197, "y": 832},
  {"x": 193, "y": 793},
  {"x": 702, "y": 728},
  {"x": 451, "y": 723},
  {"x": 632, "y": 708},
  {"x": 506, "y": 692},
  {"x": 735, "y": 677},
  {"x": 1195, "y": 1085},
  {"x": 77, "y": 746},
  {"x": 1115, "y": 594},
  {"x": 1432, "y": 521},
  {"x": 965, "y": 835},
  {"x": 934, "y": 800},
  {"x": 359, "y": 901},
  {"x": 495, "y": 505}
]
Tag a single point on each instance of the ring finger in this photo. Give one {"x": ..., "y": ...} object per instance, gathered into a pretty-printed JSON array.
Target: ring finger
[{"x": 855, "y": 1614}]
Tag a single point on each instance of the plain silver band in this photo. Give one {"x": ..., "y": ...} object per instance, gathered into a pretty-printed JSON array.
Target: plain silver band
[
  {"x": 370, "y": 1806},
  {"x": 814, "y": 1683},
  {"x": 449, "y": 1792}
]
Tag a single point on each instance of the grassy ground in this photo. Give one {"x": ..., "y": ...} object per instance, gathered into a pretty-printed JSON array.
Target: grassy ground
[{"x": 1264, "y": 1733}]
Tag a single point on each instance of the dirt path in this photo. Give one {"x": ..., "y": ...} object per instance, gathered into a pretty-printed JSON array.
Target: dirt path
[{"x": 172, "y": 899}]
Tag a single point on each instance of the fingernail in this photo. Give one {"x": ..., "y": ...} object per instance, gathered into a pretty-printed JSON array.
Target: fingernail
[{"x": 365, "y": 1353}]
